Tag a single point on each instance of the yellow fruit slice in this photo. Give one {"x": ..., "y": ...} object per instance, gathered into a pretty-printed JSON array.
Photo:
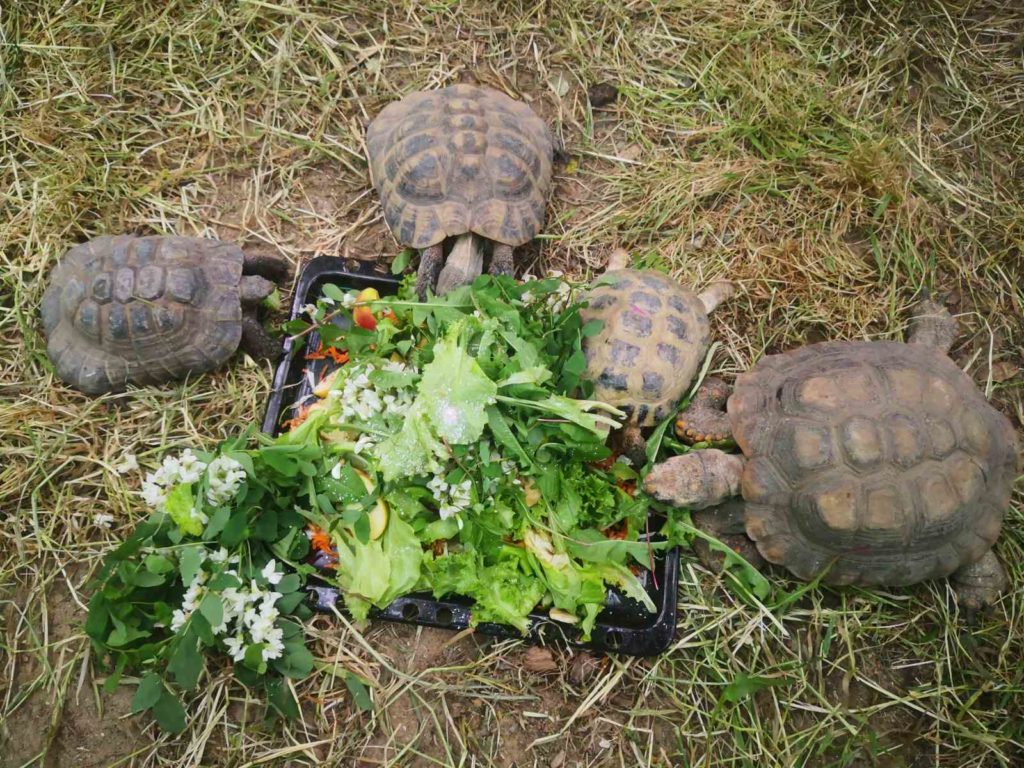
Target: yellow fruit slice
[
  {"x": 324, "y": 385},
  {"x": 362, "y": 315},
  {"x": 379, "y": 513}
]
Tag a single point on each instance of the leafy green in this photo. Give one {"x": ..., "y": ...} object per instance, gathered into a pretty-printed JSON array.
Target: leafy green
[
  {"x": 179, "y": 506},
  {"x": 148, "y": 692},
  {"x": 169, "y": 713},
  {"x": 416, "y": 450},
  {"x": 455, "y": 391}
]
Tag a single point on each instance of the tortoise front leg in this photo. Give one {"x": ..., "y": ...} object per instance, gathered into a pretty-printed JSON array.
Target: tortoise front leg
[
  {"x": 464, "y": 264},
  {"x": 256, "y": 342},
  {"x": 629, "y": 442},
  {"x": 431, "y": 260},
  {"x": 501, "y": 260},
  {"x": 705, "y": 420}
]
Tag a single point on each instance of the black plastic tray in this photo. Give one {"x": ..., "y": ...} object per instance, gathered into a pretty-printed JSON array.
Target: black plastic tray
[{"x": 623, "y": 626}]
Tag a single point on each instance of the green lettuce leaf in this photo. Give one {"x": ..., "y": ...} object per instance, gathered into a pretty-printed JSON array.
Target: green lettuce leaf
[
  {"x": 415, "y": 450},
  {"x": 503, "y": 593},
  {"x": 455, "y": 392},
  {"x": 506, "y": 595},
  {"x": 373, "y": 573}
]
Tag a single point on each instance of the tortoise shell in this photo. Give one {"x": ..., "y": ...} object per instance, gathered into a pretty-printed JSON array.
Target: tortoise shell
[
  {"x": 653, "y": 340},
  {"x": 142, "y": 310},
  {"x": 878, "y": 461},
  {"x": 460, "y": 159}
]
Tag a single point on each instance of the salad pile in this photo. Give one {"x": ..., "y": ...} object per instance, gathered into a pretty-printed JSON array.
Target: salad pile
[{"x": 445, "y": 446}]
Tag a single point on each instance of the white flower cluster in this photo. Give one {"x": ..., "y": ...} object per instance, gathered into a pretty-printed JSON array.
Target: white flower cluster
[
  {"x": 250, "y": 614},
  {"x": 556, "y": 302},
  {"x": 362, "y": 401},
  {"x": 186, "y": 468},
  {"x": 559, "y": 300},
  {"x": 451, "y": 498},
  {"x": 224, "y": 475}
]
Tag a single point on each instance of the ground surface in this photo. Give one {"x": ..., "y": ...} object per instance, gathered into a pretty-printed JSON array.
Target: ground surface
[{"x": 831, "y": 157}]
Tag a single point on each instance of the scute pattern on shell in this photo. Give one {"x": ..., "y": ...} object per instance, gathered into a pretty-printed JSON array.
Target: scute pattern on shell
[
  {"x": 460, "y": 159},
  {"x": 142, "y": 310},
  {"x": 653, "y": 341},
  {"x": 879, "y": 460}
]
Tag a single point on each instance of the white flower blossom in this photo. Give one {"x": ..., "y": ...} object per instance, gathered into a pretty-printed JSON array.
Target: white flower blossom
[
  {"x": 186, "y": 468},
  {"x": 250, "y": 614},
  {"x": 102, "y": 520},
  {"x": 178, "y": 619},
  {"x": 274, "y": 644},
  {"x": 236, "y": 647},
  {"x": 190, "y": 468},
  {"x": 559, "y": 300},
  {"x": 349, "y": 300},
  {"x": 270, "y": 573},
  {"x": 364, "y": 443},
  {"x": 451, "y": 499},
  {"x": 129, "y": 464},
  {"x": 225, "y": 475}
]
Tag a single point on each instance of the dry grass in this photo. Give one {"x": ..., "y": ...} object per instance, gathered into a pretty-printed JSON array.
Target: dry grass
[{"x": 835, "y": 157}]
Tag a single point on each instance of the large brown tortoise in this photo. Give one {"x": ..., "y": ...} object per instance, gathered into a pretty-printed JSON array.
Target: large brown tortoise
[
  {"x": 874, "y": 463},
  {"x": 653, "y": 339},
  {"x": 461, "y": 162},
  {"x": 145, "y": 310}
]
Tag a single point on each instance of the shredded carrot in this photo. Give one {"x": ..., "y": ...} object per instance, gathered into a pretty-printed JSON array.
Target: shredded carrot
[
  {"x": 629, "y": 486},
  {"x": 340, "y": 356},
  {"x": 604, "y": 464},
  {"x": 617, "y": 532},
  {"x": 299, "y": 417},
  {"x": 321, "y": 542}
]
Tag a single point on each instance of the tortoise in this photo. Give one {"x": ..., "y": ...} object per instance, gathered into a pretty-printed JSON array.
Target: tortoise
[
  {"x": 462, "y": 162},
  {"x": 654, "y": 336},
  {"x": 863, "y": 462},
  {"x": 144, "y": 310}
]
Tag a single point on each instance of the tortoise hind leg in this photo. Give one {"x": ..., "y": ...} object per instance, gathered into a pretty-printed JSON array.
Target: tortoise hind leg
[
  {"x": 980, "y": 583},
  {"x": 431, "y": 260},
  {"x": 932, "y": 326},
  {"x": 256, "y": 342}
]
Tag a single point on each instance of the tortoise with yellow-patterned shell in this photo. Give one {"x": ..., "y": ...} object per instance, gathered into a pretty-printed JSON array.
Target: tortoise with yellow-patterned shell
[
  {"x": 873, "y": 463},
  {"x": 653, "y": 338},
  {"x": 466, "y": 165}
]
